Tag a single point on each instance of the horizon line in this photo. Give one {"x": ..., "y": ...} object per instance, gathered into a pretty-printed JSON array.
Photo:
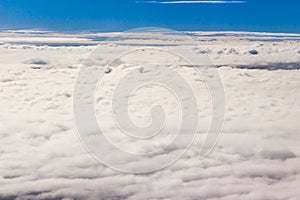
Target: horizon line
[{"x": 82, "y": 31}]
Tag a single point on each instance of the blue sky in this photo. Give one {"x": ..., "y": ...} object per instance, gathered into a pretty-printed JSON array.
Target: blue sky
[{"x": 119, "y": 15}]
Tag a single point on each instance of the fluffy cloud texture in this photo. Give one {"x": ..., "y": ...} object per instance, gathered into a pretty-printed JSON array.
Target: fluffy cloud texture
[{"x": 257, "y": 156}]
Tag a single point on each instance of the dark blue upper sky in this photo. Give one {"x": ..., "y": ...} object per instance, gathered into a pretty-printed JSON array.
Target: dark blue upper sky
[{"x": 119, "y": 15}]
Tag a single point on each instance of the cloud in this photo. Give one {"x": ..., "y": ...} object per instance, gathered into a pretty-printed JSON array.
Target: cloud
[
  {"x": 258, "y": 156},
  {"x": 195, "y": 2}
]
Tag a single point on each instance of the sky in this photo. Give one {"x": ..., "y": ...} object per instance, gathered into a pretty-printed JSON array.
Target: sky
[{"x": 120, "y": 15}]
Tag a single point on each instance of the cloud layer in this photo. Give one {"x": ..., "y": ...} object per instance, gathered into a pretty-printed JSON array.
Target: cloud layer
[{"x": 258, "y": 156}]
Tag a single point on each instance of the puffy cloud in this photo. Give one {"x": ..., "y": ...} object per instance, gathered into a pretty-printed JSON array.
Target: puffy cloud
[{"x": 42, "y": 157}]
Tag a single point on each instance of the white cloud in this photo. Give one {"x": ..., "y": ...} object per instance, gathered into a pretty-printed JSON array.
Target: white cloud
[
  {"x": 258, "y": 156},
  {"x": 195, "y": 2}
]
